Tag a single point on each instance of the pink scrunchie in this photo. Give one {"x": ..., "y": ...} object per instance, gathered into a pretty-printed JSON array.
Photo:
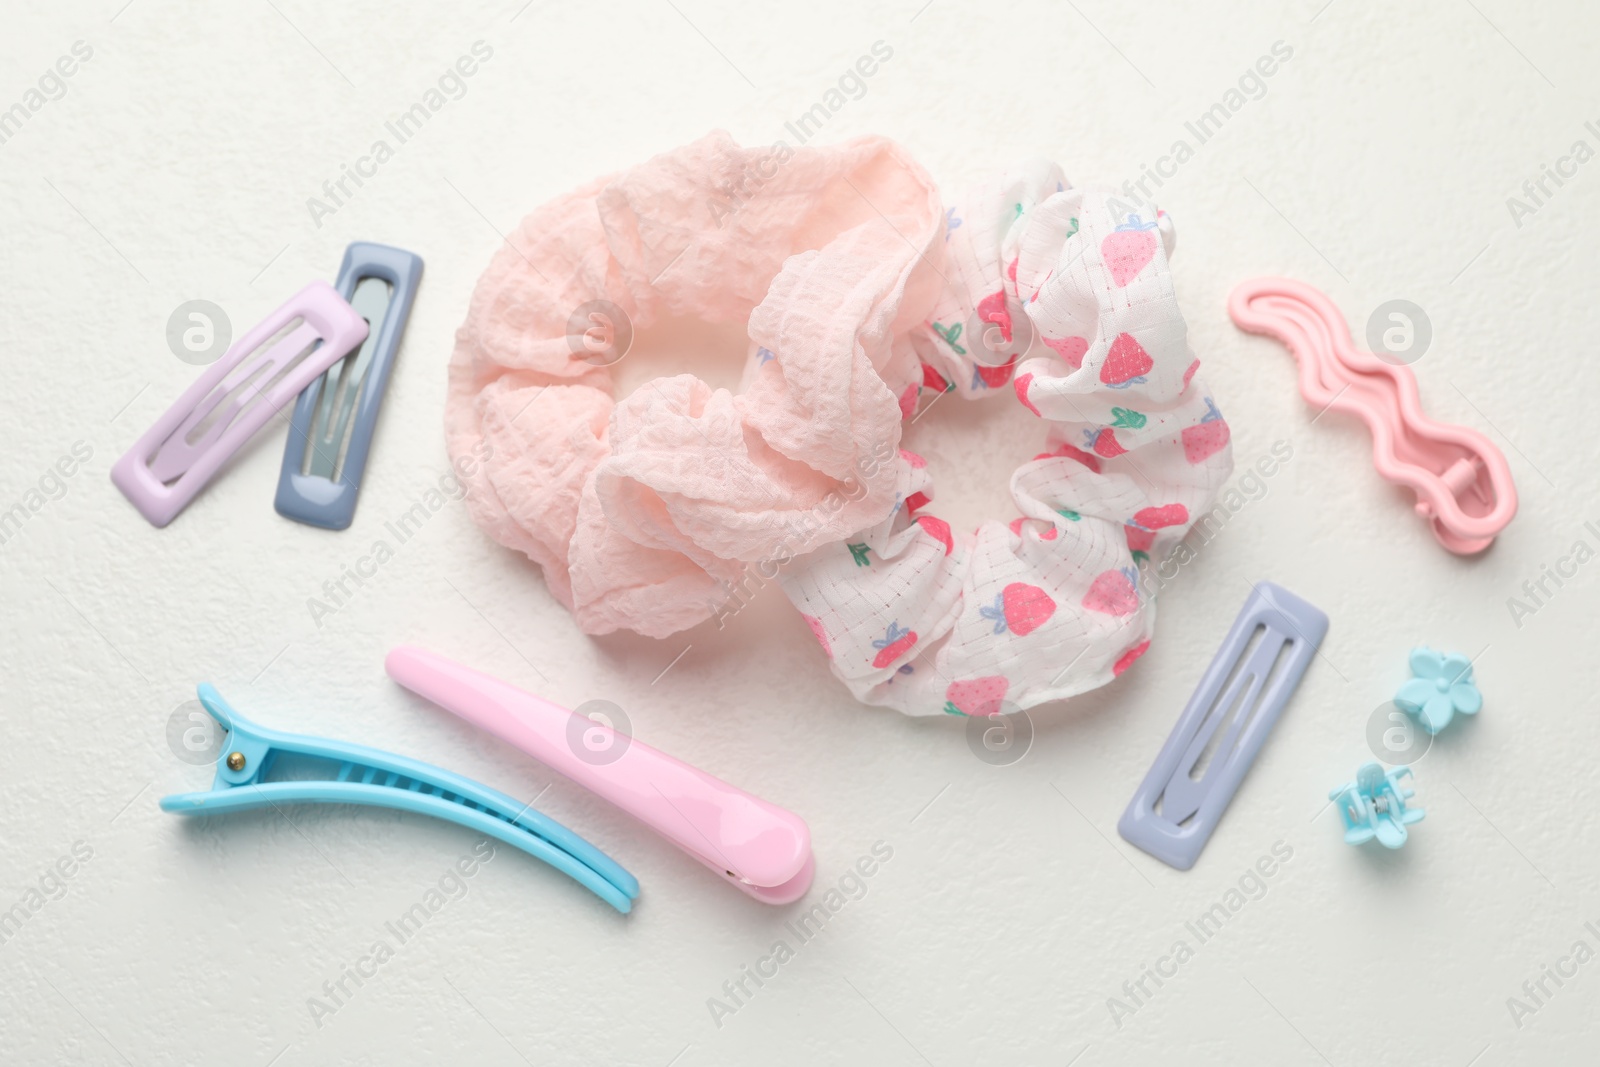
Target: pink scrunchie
[{"x": 642, "y": 511}]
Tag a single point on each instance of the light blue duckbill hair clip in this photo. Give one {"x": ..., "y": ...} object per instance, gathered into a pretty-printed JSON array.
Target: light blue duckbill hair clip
[
  {"x": 367, "y": 776},
  {"x": 1374, "y": 806},
  {"x": 1442, "y": 687}
]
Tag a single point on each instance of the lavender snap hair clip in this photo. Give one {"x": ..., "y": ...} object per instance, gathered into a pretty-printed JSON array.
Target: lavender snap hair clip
[
  {"x": 1178, "y": 805},
  {"x": 234, "y": 398}
]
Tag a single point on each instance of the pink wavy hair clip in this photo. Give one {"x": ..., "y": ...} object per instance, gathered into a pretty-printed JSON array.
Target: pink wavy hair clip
[{"x": 1461, "y": 479}]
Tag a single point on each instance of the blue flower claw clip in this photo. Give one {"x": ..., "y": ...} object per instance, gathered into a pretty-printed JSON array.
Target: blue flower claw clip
[
  {"x": 1442, "y": 687},
  {"x": 1374, "y": 806}
]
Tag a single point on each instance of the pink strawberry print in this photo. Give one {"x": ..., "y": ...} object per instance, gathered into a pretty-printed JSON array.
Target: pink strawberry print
[
  {"x": 1127, "y": 363},
  {"x": 1113, "y": 593},
  {"x": 1020, "y": 384},
  {"x": 992, "y": 308},
  {"x": 913, "y": 458},
  {"x": 1139, "y": 540},
  {"x": 908, "y": 400},
  {"x": 1020, "y": 608},
  {"x": 1128, "y": 657},
  {"x": 990, "y": 377},
  {"x": 895, "y": 642},
  {"x": 932, "y": 379},
  {"x": 1049, "y": 533},
  {"x": 821, "y": 634},
  {"x": 1189, "y": 374},
  {"x": 1128, "y": 250},
  {"x": 1071, "y": 349},
  {"x": 1159, "y": 518},
  {"x": 940, "y": 531},
  {"x": 1073, "y": 453},
  {"x": 1105, "y": 443},
  {"x": 976, "y": 696},
  {"x": 915, "y": 501},
  {"x": 1210, "y": 436}
]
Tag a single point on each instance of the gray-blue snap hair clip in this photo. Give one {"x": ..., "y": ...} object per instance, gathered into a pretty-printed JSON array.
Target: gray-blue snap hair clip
[
  {"x": 334, "y": 419},
  {"x": 252, "y": 757},
  {"x": 1247, "y": 686}
]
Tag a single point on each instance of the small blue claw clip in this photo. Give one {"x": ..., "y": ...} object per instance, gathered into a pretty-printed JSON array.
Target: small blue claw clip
[
  {"x": 357, "y": 774},
  {"x": 1442, "y": 687},
  {"x": 1374, "y": 805}
]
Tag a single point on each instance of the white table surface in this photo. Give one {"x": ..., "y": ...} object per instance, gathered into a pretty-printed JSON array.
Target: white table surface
[{"x": 1377, "y": 165}]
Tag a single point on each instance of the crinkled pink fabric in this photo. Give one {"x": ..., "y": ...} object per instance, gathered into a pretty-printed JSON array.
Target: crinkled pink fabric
[{"x": 642, "y": 511}]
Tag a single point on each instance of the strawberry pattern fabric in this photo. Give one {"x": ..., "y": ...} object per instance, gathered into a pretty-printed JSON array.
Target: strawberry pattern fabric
[{"x": 1062, "y": 298}]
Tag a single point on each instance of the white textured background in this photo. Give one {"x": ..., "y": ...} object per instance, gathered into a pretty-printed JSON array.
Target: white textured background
[{"x": 1376, "y": 166}]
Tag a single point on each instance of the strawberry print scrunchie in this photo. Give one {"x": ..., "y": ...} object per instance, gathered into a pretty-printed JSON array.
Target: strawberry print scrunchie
[{"x": 1075, "y": 285}]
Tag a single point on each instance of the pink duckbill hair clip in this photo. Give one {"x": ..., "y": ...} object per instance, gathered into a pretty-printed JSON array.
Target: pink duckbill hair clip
[
  {"x": 1461, "y": 479},
  {"x": 761, "y": 848}
]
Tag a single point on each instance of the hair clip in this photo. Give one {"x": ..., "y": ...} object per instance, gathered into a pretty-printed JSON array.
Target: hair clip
[
  {"x": 1178, "y": 805},
  {"x": 762, "y": 848},
  {"x": 234, "y": 398},
  {"x": 1441, "y": 686},
  {"x": 325, "y": 456},
  {"x": 1462, "y": 482},
  {"x": 360, "y": 775},
  {"x": 1374, "y": 805}
]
